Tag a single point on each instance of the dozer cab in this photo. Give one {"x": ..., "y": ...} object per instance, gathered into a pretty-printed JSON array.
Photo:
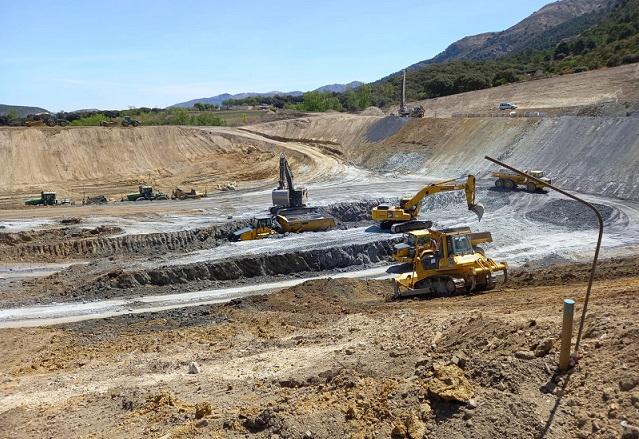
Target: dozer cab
[
  {"x": 507, "y": 179},
  {"x": 259, "y": 228},
  {"x": 447, "y": 265},
  {"x": 405, "y": 251},
  {"x": 403, "y": 218},
  {"x": 146, "y": 193},
  {"x": 46, "y": 199}
]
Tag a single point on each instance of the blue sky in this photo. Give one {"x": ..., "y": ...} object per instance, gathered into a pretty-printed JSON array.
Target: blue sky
[{"x": 67, "y": 55}]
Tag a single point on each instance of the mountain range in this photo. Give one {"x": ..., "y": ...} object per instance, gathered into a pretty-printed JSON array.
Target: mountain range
[
  {"x": 219, "y": 99},
  {"x": 540, "y": 30},
  {"x": 544, "y": 29},
  {"x": 20, "y": 110}
]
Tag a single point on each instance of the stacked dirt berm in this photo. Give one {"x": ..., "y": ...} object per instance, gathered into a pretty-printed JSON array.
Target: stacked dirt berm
[{"x": 256, "y": 266}]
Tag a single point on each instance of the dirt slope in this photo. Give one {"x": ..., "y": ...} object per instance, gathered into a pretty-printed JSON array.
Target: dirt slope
[
  {"x": 589, "y": 154},
  {"x": 618, "y": 84},
  {"x": 334, "y": 359},
  {"x": 93, "y": 160}
]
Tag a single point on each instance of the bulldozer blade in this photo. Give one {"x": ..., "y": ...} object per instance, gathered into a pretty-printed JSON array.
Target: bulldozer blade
[{"x": 478, "y": 209}]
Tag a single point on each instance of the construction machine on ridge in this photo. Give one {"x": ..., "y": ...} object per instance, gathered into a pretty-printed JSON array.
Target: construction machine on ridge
[{"x": 403, "y": 218}]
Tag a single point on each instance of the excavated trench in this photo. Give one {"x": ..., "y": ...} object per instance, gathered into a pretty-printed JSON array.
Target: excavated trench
[
  {"x": 258, "y": 266},
  {"x": 59, "y": 244}
]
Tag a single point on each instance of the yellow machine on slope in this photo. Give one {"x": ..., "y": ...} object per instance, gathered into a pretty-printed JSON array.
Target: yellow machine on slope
[
  {"x": 448, "y": 265},
  {"x": 403, "y": 218},
  {"x": 509, "y": 180},
  {"x": 405, "y": 250},
  {"x": 181, "y": 194},
  {"x": 289, "y": 205},
  {"x": 259, "y": 228},
  {"x": 289, "y": 210}
]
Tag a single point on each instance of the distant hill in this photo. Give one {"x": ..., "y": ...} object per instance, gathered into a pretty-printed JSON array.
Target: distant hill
[
  {"x": 605, "y": 34},
  {"x": 338, "y": 88},
  {"x": 541, "y": 30},
  {"x": 21, "y": 111},
  {"x": 219, "y": 99}
]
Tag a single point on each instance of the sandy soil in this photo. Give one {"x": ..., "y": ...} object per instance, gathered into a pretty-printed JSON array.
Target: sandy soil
[
  {"x": 328, "y": 357},
  {"x": 332, "y": 358},
  {"x": 618, "y": 84},
  {"x": 113, "y": 161}
]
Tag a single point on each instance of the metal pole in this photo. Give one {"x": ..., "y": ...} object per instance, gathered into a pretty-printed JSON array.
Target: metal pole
[
  {"x": 594, "y": 259},
  {"x": 404, "y": 91},
  {"x": 566, "y": 334}
]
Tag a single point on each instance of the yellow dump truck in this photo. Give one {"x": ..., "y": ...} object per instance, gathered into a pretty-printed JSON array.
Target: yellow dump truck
[
  {"x": 293, "y": 221},
  {"x": 507, "y": 179}
]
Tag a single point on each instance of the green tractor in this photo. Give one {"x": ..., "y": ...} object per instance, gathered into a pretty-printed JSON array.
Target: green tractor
[
  {"x": 46, "y": 199},
  {"x": 128, "y": 122},
  {"x": 47, "y": 119},
  {"x": 146, "y": 193}
]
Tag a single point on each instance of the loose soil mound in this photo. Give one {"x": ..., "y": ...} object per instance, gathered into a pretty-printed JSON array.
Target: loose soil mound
[{"x": 329, "y": 359}]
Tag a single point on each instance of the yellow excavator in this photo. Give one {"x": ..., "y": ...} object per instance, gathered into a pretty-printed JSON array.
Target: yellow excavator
[
  {"x": 403, "y": 218},
  {"x": 448, "y": 264}
]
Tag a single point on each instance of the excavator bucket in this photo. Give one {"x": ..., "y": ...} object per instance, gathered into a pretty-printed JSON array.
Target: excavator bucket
[{"x": 477, "y": 209}]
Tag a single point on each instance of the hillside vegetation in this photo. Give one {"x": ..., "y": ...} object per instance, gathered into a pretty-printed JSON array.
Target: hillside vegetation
[
  {"x": 9, "y": 111},
  {"x": 612, "y": 42},
  {"x": 596, "y": 39}
]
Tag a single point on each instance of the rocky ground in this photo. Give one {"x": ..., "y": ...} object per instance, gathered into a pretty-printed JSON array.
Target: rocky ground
[{"x": 335, "y": 358}]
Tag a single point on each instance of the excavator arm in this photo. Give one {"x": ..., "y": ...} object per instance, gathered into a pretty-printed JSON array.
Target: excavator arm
[
  {"x": 446, "y": 186},
  {"x": 286, "y": 195},
  {"x": 286, "y": 175}
]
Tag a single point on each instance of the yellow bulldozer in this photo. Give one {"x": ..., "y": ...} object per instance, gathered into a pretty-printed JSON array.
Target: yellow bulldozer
[
  {"x": 448, "y": 264},
  {"x": 403, "y": 218}
]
